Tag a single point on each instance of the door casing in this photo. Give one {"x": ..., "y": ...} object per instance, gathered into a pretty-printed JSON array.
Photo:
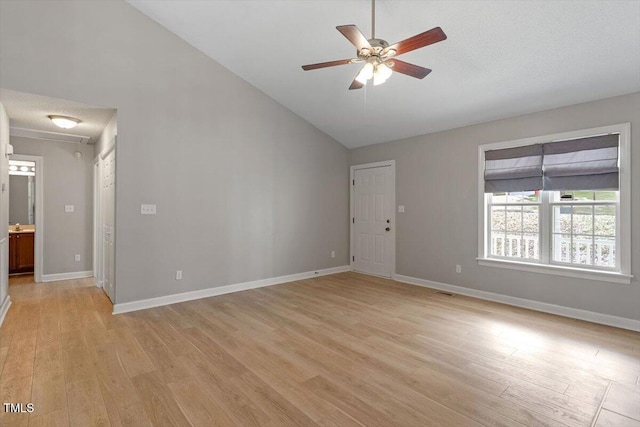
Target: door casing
[{"x": 352, "y": 169}]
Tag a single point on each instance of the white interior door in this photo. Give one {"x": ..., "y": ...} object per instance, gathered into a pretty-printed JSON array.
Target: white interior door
[
  {"x": 372, "y": 223},
  {"x": 108, "y": 223}
]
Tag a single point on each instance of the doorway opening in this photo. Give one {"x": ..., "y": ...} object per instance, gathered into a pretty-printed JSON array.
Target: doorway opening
[
  {"x": 59, "y": 184},
  {"x": 26, "y": 221}
]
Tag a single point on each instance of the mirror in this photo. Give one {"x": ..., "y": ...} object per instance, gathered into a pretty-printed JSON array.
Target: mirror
[{"x": 22, "y": 192}]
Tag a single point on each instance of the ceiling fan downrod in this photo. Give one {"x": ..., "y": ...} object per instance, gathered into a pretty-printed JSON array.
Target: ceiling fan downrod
[{"x": 373, "y": 19}]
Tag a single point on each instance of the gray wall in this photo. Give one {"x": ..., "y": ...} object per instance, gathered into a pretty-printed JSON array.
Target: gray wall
[
  {"x": 19, "y": 199},
  {"x": 244, "y": 188},
  {"x": 67, "y": 181},
  {"x": 437, "y": 181},
  {"x": 4, "y": 205}
]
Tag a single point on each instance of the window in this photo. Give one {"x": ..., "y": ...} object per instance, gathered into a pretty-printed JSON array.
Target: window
[{"x": 558, "y": 204}]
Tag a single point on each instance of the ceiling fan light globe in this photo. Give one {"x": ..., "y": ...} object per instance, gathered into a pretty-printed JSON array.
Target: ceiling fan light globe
[
  {"x": 384, "y": 71},
  {"x": 365, "y": 74},
  {"x": 378, "y": 79}
]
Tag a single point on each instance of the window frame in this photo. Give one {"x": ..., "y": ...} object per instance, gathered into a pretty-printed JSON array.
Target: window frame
[{"x": 622, "y": 272}]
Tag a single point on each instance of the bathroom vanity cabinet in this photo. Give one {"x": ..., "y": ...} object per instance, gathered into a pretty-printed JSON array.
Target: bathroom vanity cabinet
[{"x": 21, "y": 256}]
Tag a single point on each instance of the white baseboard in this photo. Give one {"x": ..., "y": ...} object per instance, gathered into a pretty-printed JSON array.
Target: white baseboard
[
  {"x": 4, "y": 308},
  {"x": 66, "y": 276},
  {"x": 221, "y": 290},
  {"x": 575, "y": 313}
]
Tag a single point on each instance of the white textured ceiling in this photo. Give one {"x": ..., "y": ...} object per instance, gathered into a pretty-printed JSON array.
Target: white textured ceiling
[
  {"x": 30, "y": 111},
  {"x": 501, "y": 58}
]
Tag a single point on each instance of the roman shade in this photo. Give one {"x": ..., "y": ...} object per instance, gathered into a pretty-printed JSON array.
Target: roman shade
[
  {"x": 578, "y": 164},
  {"x": 513, "y": 169},
  {"x": 581, "y": 164}
]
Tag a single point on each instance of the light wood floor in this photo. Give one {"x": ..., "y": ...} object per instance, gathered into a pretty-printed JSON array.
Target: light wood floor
[{"x": 341, "y": 350}]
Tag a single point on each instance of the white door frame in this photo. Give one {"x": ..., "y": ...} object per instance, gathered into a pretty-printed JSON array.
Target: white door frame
[
  {"x": 352, "y": 172},
  {"x": 97, "y": 220},
  {"x": 39, "y": 223},
  {"x": 100, "y": 232}
]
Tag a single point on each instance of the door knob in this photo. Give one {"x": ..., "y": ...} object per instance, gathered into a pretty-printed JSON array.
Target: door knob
[
  {"x": 388, "y": 221},
  {"x": 387, "y": 229}
]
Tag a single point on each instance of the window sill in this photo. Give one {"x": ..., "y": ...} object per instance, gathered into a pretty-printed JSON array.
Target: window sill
[{"x": 581, "y": 273}]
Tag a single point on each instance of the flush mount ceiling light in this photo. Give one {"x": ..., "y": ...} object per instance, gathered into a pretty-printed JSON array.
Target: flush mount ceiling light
[
  {"x": 379, "y": 56},
  {"x": 64, "y": 122}
]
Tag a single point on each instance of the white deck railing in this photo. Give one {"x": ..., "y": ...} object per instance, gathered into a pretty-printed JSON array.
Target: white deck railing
[{"x": 513, "y": 245}]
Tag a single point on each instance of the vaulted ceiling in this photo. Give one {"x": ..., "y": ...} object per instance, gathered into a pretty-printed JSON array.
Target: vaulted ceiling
[{"x": 501, "y": 58}]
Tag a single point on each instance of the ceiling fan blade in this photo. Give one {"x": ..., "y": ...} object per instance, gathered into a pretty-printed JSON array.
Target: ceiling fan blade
[
  {"x": 409, "y": 69},
  {"x": 356, "y": 85},
  {"x": 355, "y": 36},
  {"x": 326, "y": 64},
  {"x": 432, "y": 36}
]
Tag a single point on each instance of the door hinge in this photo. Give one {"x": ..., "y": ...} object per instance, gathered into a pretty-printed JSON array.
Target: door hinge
[
  {"x": 354, "y": 182},
  {"x": 353, "y": 258},
  {"x": 354, "y": 220}
]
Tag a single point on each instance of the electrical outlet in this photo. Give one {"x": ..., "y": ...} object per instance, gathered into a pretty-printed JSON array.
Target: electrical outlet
[
  {"x": 333, "y": 254},
  {"x": 458, "y": 268},
  {"x": 77, "y": 257},
  {"x": 401, "y": 208},
  {"x": 69, "y": 208},
  {"x": 179, "y": 275},
  {"x": 147, "y": 209}
]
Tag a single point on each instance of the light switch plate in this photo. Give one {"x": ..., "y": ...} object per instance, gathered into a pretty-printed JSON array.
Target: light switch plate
[
  {"x": 148, "y": 209},
  {"x": 401, "y": 208},
  {"x": 69, "y": 208}
]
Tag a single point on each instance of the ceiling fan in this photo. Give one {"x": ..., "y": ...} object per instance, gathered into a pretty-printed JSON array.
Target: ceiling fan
[{"x": 378, "y": 56}]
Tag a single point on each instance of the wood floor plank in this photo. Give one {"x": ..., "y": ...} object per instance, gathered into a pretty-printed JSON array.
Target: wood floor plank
[
  {"x": 15, "y": 390},
  {"x": 133, "y": 358},
  {"x": 59, "y": 418},
  {"x": 611, "y": 419},
  {"x": 158, "y": 400},
  {"x": 86, "y": 406},
  {"x": 346, "y": 402},
  {"x": 624, "y": 400},
  {"x": 199, "y": 408}
]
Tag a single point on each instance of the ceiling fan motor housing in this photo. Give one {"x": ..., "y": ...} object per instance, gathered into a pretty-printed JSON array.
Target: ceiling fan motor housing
[{"x": 377, "y": 46}]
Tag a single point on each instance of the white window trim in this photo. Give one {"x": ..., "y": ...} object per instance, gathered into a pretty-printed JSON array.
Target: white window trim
[{"x": 624, "y": 233}]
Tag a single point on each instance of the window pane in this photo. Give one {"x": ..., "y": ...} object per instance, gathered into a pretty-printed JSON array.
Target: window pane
[
  {"x": 562, "y": 248},
  {"x": 576, "y": 195},
  {"x": 562, "y": 219},
  {"x": 532, "y": 196},
  {"x": 497, "y": 244},
  {"x": 523, "y": 197},
  {"x": 605, "y": 220},
  {"x": 606, "y": 195},
  {"x": 512, "y": 246},
  {"x": 499, "y": 198},
  {"x": 514, "y": 218},
  {"x": 530, "y": 219},
  {"x": 605, "y": 251},
  {"x": 530, "y": 246},
  {"x": 514, "y": 197},
  {"x": 582, "y": 250},
  {"x": 498, "y": 218},
  {"x": 582, "y": 219}
]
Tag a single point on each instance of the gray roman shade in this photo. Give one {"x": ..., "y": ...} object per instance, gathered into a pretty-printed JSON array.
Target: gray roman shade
[
  {"x": 578, "y": 164},
  {"x": 513, "y": 169},
  {"x": 581, "y": 164}
]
